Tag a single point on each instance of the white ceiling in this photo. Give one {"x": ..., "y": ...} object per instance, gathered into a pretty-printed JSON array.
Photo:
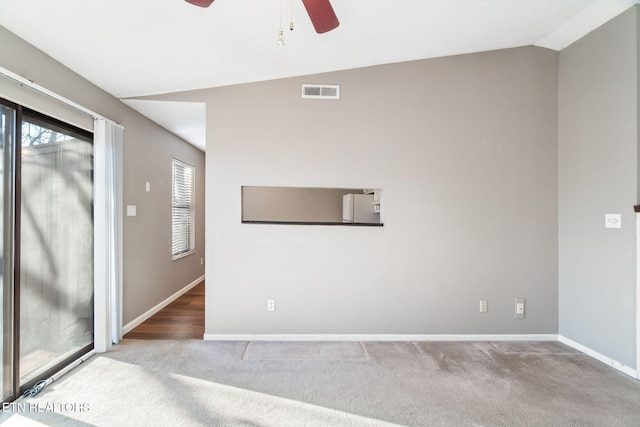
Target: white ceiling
[{"x": 133, "y": 48}]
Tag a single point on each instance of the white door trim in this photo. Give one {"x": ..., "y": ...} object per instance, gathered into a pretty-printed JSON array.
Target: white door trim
[{"x": 638, "y": 294}]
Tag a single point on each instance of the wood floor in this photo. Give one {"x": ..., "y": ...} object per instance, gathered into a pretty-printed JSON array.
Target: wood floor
[{"x": 182, "y": 319}]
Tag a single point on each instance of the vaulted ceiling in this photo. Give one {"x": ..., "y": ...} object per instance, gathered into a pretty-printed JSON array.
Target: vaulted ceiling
[{"x": 134, "y": 48}]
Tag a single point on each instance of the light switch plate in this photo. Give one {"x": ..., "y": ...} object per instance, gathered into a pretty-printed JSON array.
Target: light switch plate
[
  {"x": 131, "y": 210},
  {"x": 148, "y": 186},
  {"x": 612, "y": 221},
  {"x": 483, "y": 306}
]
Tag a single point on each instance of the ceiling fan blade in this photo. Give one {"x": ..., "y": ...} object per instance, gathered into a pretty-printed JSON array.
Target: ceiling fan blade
[
  {"x": 322, "y": 15},
  {"x": 201, "y": 3}
]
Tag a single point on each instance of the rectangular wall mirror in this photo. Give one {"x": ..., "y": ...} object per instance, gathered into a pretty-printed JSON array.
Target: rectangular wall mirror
[{"x": 309, "y": 205}]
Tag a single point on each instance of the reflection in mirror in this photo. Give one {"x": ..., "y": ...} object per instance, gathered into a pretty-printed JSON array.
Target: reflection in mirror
[{"x": 304, "y": 205}]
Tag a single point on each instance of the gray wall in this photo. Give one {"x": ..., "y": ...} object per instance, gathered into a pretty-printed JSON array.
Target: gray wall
[
  {"x": 465, "y": 149},
  {"x": 149, "y": 274},
  {"x": 598, "y": 170}
]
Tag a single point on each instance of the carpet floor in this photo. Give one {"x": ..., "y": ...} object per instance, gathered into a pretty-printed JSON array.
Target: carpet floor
[{"x": 206, "y": 383}]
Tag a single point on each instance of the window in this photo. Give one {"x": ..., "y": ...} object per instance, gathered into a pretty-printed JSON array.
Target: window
[{"x": 183, "y": 210}]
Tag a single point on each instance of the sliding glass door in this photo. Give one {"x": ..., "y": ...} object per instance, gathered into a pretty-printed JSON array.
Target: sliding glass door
[
  {"x": 56, "y": 244},
  {"x": 47, "y": 252}
]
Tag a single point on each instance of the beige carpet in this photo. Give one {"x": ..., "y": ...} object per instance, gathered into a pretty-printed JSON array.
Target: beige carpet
[
  {"x": 261, "y": 350},
  {"x": 199, "y": 383}
]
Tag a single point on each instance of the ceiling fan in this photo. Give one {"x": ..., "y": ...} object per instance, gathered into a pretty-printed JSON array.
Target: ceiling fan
[{"x": 320, "y": 12}]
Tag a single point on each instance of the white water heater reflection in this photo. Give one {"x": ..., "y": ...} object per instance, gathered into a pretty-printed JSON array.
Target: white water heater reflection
[{"x": 359, "y": 208}]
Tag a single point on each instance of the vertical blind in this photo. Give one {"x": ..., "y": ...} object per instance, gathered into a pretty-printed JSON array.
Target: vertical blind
[
  {"x": 108, "y": 140},
  {"x": 183, "y": 210}
]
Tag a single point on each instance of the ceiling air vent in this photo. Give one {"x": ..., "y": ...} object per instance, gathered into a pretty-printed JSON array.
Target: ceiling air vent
[{"x": 321, "y": 91}]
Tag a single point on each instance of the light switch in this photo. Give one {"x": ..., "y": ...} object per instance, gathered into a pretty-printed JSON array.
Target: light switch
[
  {"x": 148, "y": 186},
  {"x": 131, "y": 210},
  {"x": 612, "y": 221}
]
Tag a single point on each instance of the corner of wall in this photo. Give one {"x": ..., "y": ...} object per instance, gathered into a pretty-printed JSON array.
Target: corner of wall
[
  {"x": 637, "y": 17},
  {"x": 597, "y": 174}
]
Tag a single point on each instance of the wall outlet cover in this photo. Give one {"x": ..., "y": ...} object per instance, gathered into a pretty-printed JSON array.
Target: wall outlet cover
[
  {"x": 612, "y": 221},
  {"x": 483, "y": 306},
  {"x": 520, "y": 308}
]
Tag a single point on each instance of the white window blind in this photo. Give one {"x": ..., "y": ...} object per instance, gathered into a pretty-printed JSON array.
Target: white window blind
[{"x": 183, "y": 210}]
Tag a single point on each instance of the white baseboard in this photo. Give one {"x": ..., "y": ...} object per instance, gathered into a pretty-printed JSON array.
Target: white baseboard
[
  {"x": 380, "y": 337},
  {"x": 144, "y": 316},
  {"x": 601, "y": 357}
]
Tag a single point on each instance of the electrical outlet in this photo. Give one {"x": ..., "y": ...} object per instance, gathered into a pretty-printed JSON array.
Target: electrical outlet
[
  {"x": 483, "y": 306},
  {"x": 519, "y": 308},
  {"x": 613, "y": 221},
  {"x": 271, "y": 305}
]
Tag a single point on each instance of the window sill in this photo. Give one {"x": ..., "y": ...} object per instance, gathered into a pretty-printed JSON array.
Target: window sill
[{"x": 177, "y": 257}]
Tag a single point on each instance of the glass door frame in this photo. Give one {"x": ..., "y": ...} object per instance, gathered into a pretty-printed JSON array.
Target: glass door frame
[
  {"x": 11, "y": 283},
  {"x": 9, "y": 346}
]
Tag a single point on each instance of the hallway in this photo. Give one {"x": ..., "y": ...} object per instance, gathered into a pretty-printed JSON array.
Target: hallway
[{"x": 182, "y": 319}]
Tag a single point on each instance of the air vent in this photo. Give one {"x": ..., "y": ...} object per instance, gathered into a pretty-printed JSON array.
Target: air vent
[{"x": 321, "y": 91}]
